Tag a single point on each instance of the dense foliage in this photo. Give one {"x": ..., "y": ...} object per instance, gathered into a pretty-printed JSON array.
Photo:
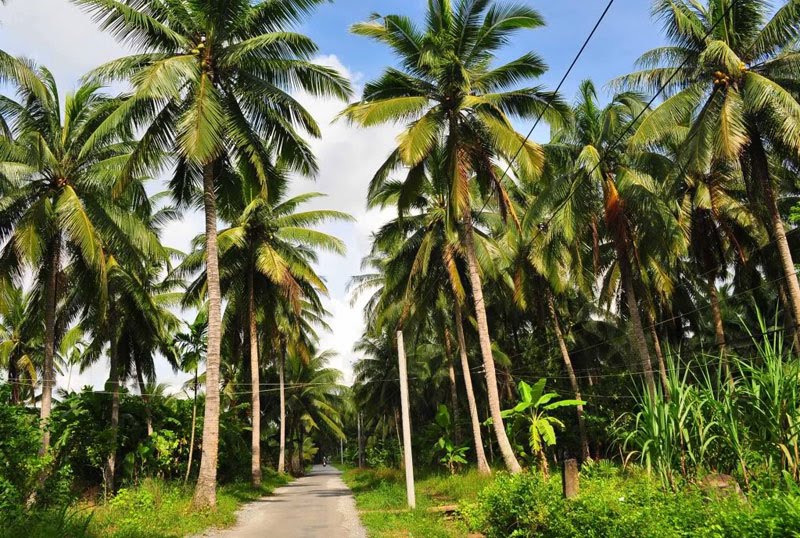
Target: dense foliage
[{"x": 615, "y": 505}]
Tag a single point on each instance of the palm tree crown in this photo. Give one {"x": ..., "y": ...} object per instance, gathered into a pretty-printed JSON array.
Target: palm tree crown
[{"x": 730, "y": 70}]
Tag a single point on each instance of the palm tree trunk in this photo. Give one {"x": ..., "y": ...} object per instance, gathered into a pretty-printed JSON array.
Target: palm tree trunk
[
  {"x": 719, "y": 331},
  {"x": 760, "y": 169},
  {"x": 48, "y": 375},
  {"x": 360, "y": 444},
  {"x": 483, "y": 465},
  {"x": 148, "y": 413},
  {"x": 633, "y": 310},
  {"x": 255, "y": 403},
  {"x": 451, "y": 371},
  {"x": 13, "y": 379},
  {"x": 282, "y": 391},
  {"x": 194, "y": 427},
  {"x": 789, "y": 326},
  {"x": 486, "y": 349},
  {"x": 302, "y": 451},
  {"x": 205, "y": 495},
  {"x": 491, "y": 444},
  {"x": 662, "y": 367},
  {"x": 573, "y": 380},
  {"x": 616, "y": 221},
  {"x": 113, "y": 386},
  {"x": 716, "y": 312}
]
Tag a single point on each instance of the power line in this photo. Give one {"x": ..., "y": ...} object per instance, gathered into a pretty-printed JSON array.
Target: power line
[
  {"x": 631, "y": 124},
  {"x": 673, "y": 318},
  {"x": 274, "y": 387},
  {"x": 553, "y": 95},
  {"x": 622, "y": 337}
]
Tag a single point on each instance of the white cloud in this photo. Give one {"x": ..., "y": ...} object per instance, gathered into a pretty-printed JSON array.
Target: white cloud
[
  {"x": 58, "y": 35},
  {"x": 179, "y": 234},
  {"x": 346, "y": 324},
  {"x": 348, "y": 157}
]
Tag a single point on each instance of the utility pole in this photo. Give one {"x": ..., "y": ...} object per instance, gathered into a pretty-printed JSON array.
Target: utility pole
[
  {"x": 341, "y": 450},
  {"x": 409, "y": 464}
]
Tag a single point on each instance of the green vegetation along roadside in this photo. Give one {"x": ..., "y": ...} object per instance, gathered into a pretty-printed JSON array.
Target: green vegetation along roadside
[
  {"x": 381, "y": 500},
  {"x": 153, "y": 509},
  {"x": 614, "y": 503}
]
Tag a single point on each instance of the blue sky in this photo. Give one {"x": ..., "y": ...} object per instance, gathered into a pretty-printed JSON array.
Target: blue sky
[
  {"x": 625, "y": 33},
  {"x": 58, "y": 35}
]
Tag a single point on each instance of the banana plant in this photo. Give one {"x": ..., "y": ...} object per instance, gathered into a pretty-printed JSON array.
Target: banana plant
[
  {"x": 534, "y": 408},
  {"x": 453, "y": 456}
]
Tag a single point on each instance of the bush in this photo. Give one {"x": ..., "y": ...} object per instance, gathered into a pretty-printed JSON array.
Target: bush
[
  {"x": 160, "y": 509},
  {"x": 26, "y": 479},
  {"x": 82, "y": 438},
  {"x": 622, "y": 506},
  {"x": 384, "y": 454}
]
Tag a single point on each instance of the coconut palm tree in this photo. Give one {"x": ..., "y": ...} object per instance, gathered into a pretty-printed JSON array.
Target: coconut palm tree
[
  {"x": 293, "y": 333},
  {"x": 611, "y": 188},
  {"x": 447, "y": 92},
  {"x": 376, "y": 386},
  {"x": 137, "y": 324},
  {"x": 128, "y": 309},
  {"x": 730, "y": 66},
  {"x": 19, "y": 72},
  {"x": 266, "y": 255},
  {"x": 59, "y": 205},
  {"x": 20, "y": 336},
  {"x": 278, "y": 247},
  {"x": 212, "y": 85},
  {"x": 543, "y": 266},
  {"x": 718, "y": 224},
  {"x": 314, "y": 397}
]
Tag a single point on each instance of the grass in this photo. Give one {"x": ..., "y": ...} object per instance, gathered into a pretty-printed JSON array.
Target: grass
[
  {"x": 153, "y": 509},
  {"x": 381, "y": 499}
]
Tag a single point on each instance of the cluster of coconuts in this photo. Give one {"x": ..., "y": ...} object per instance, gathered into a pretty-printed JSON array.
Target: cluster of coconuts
[
  {"x": 721, "y": 78},
  {"x": 198, "y": 50},
  {"x": 200, "y": 46}
]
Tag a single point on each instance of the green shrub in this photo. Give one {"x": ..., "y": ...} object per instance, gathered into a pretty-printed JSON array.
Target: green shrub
[
  {"x": 27, "y": 480},
  {"x": 384, "y": 454},
  {"x": 624, "y": 505}
]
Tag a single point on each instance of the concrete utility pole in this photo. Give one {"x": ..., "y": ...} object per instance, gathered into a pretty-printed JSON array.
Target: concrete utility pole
[
  {"x": 401, "y": 355},
  {"x": 341, "y": 450}
]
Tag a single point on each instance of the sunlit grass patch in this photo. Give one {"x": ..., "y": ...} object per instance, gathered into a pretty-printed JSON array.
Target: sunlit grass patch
[
  {"x": 152, "y": 509},
  {"x": 381, "y": 500},
  {"x": 156, "y": 508}
]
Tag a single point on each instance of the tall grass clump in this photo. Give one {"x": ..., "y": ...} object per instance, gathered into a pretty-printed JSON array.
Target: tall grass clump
[{"x": 724, "y": 414}]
